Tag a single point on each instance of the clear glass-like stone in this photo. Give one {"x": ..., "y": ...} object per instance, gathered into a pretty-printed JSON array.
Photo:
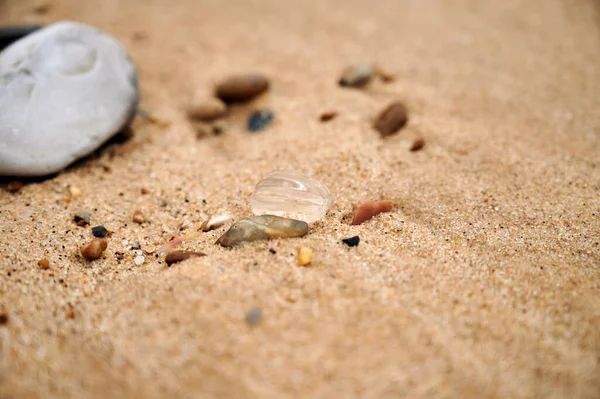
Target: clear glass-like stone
[{"x": 292, "y": 195}]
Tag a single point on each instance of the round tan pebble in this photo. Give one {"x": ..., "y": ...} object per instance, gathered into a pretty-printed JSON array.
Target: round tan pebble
[
  {"x": 241, "y": 87},
  {"x": 304, "y": 256},
  {"x": 138, "y": 217},
  {"x": 207, "y": 110},
  {"x": 44, "y": 264},
  {"x": 93, "y": 250}
]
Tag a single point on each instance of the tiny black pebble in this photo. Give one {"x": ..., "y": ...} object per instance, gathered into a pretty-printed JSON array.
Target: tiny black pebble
[
  {"x": 272, "y": 250},
  {"x": 352, "y": 241},
  {"x": 254, "y": 316},
  {"x": 3, "y": 318},
  {"x": 258, "y": 120},
  {"x": 99, "y": 231}
]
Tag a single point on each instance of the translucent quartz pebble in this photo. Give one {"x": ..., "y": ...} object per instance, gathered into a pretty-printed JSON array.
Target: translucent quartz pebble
[{"x": 292, "y": 195}]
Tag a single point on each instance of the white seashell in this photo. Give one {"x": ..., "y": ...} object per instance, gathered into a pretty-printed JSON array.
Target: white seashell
[
  {"x": 292, "y": 195},
  {"x": 64, "y": 90}
]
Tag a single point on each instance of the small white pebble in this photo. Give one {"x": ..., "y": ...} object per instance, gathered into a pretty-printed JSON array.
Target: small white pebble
[
  {"x": 124, "y": 242},
  {"x": 138, "y": 260},
  {"x": 139, "y": 252}
]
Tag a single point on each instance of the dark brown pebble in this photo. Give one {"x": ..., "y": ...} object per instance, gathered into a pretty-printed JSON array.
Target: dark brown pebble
[
  {"x": 254, "y": 316},
  {"x": 82, "y": 217},
  {"x": 70, "y": 314},
  {"x": 93, "y": 250},
  {"x": 44, "y": 264},
  {"x": 14, "y": 186},
  {"x": 99, "y": 231},
  {"x": 3, "y": 319},
  {"x": 144, "y": 191},
  {"x": 179, "y": 256},
  {"x": 418, "y": 144},
  {"x": 272, "y": 250},
  {"x": 327, "y": 116},
  {"x": 391, "y": 119},
  {"x": 241, "y": 87}
]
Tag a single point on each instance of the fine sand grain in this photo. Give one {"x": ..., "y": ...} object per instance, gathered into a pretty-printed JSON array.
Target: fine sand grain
[{"x": 483, "y": 282}]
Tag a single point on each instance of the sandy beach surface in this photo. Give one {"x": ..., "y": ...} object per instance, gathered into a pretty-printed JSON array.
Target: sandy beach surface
[{"x": 484, "y": 282}]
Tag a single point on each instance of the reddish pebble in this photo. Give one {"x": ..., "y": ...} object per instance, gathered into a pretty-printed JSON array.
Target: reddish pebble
[
  {"x": 418, "y": 144},
  {"x": 178, "y": 256},
  {"x": 14, "y": 186},
  {"x": 369, "y": 209},
  {"x": 327, "y": 116}
]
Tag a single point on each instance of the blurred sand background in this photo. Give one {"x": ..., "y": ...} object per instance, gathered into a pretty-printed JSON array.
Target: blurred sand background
[{"x": 484, "y": 281}]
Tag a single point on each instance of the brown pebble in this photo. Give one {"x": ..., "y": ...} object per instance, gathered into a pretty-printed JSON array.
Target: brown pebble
[
  {"x": 356, "y": 76},
  {"x": 44, "y": 264},
  {"x": 144, "y": 191},
  {"x": 207, "y": 110},
  {"x": 385, "y": 76},
  {"x": 304, "y": 256},
  {"x": 369, "y": 209},
  {"x": 70, "y": 314},
  {"x": 14, "y": 186},
  {"x": 417, "y": 144},
  {"x": 327, "y": 116},
  {"x": 3, "y": 319},
  {"x": 391, "y": 119},
  {"x": 178, "y": 256},
  {"x": 93, "y": 250},
  {"x": 138, "y": 217},
  {"x": 241, "y": 87}
]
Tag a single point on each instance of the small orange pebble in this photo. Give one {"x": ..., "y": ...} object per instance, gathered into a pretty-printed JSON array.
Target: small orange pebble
[
  {"x": 44, "y": 264},
  {"x": 369, "y": 209}
]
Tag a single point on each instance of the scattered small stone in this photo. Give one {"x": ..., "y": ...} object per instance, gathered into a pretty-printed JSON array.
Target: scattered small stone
[
  {"x": 3, "y": 319},
  {"x": 254, "y": 316},
  {"x": 304, "y": 256},
  {"x": 138, "y": 217},
  {"x": 241, "y": 87},
  {"x": 70, "y": 314},
  {"x": 99, "y": 231},
  {"x": 264, "y": 227},
  {"x": 352, "y": 241},
  {"x": 75, "y": 192},
  {"x": 42, "y": 7},
  {"x": 44, "y": 264},
  {"x": 417, "y": 144},
  {"x": 370, "y": 209},
  {"x": 83, "y": 217},
  {"x": 327, "y": 116},
  {"x": 207, "y": 110},
  {"x": 385, "y": 76},
  {"x": 202, "y": 130},
  {"x": 14, "y": 186},
  {"x": 150, "y": 249},
  {"x": 144, "y": 191},
  {"x": 135, "y": 245},
  {"x": 139, "y": 252},
  {"x": 179, "y": 256},
  {"x": 272, "y": 250},
  {"x": 356, "y": 76},
  {"x": 93, "y": 250},
  {"x": 138, "y": 260},
  {"x": 215, "y": 222},
  {"x": 260, "y": 119},
  {"x": 391, "y": 119}
]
